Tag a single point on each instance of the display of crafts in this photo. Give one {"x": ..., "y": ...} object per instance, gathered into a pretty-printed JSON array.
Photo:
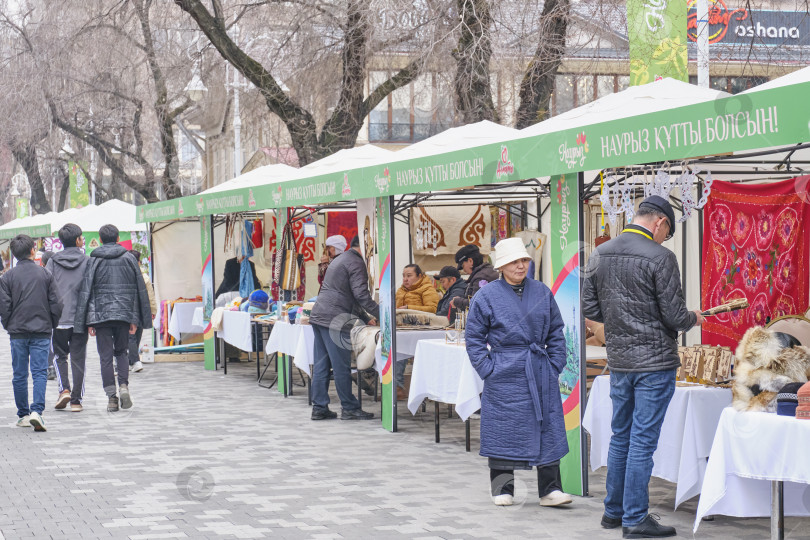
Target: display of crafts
[
  {"x": 705, "y": 365},
  {"x": 456, "y": 333}
]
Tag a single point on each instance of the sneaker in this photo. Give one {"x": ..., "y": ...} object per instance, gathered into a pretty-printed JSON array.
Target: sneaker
[
  {"x": 76, "y": 407},
  {"x": 112, "y": 404},
  {"x": 503, "y": 500},
  {"x": 556, "y": 498},
  {"x": 37, "y": 421},
  {"x": 24, "y": 421},
  {"x": 323, "y": 414},
  {"x": 648, "y": 528},
  {"x": 137, "y": 366},
  {"x": 64, "y": 399},
  {"x": 126, "y": 400},
  {"x": 611, "y": 523},
  {"x": 356, "y": 414}
]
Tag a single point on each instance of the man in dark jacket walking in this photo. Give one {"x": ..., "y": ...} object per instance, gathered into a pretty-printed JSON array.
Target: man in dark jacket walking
[
  {"x": 29, "y": 310},
  {"x": 633, "y": 286},
  {"x": 471, "y": 262},
  {"x": 343, "y": 298},
  {"x": 67, "y": 268},
  {"x": 111, "y": 304}
]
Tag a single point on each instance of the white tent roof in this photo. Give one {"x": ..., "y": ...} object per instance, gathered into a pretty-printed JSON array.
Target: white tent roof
[
  {"x": 635, "y": 100},
  {"x": 344, "y": 160},
  {"x": 458, "y": 138},
  {"x": 795, "y": 77},
  {"x": 89, "y": 218},
  {"x": 30, "y": 221},
  {"x": 268, "y": 174}
]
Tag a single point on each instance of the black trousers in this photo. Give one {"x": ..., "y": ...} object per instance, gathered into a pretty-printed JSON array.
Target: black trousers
[
  {"x": 112, "y": 342},
  {"x": 502, "y": 482},
  {"x": 65, "y": 343}
]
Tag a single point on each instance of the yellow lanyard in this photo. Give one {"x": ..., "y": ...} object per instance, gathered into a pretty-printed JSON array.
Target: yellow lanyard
[{"x": 642, "y": 233}]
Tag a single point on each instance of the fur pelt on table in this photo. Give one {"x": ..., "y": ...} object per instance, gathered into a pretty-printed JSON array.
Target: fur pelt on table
[
  {"x": 412, "y": 317},
  {"x": 364, "y": 342},
  {"x": 765, "y": 362}
]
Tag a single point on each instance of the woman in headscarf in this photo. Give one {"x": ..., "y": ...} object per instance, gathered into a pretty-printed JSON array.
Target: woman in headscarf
[{"x": 522, "y": 424}]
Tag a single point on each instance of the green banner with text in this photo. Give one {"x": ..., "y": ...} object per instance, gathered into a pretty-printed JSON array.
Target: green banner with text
[
  {"x": 79, "y": 190},
  {"x": 656, "y": 30},
  {"x": 206, "y": 255}
]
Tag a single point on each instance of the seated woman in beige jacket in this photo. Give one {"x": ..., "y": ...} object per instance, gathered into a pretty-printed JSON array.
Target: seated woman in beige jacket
[{"x": 417, "y": 291}]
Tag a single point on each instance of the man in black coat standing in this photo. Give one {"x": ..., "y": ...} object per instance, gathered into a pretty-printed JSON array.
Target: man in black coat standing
[
  {"x": 633, "y": 286},
  {"x": 112, "y": 304},
  {"x": 343, "y": 298}
]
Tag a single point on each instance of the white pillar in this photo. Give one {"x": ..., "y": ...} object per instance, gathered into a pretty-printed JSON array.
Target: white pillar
[{"x": 703, "y": 43}]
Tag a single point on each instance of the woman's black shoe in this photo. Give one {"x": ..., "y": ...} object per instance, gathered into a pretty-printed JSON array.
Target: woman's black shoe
[{"x": 648, "y": 528}]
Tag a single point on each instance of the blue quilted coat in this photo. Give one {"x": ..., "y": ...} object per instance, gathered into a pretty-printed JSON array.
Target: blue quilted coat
[{"x": 521, "y": 408}]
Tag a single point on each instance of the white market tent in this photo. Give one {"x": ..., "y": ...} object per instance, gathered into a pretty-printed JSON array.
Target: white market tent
[{"x": 259, "y": 176}]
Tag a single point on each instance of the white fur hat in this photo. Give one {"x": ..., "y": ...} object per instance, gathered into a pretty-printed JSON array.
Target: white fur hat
[{"x": 509, "y": 250}]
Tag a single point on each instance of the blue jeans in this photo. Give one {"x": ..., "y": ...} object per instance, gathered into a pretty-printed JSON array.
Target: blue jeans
[
  {"x": 35, "y": 352},
  {"x": 338, "y": 358},
  {"x": 640, "y": 402}
]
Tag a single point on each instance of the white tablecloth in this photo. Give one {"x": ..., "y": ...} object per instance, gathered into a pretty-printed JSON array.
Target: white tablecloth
[
  {"x": 750, "y": 450},
  {"x": 686, "y": 436},
  {"x": 181, "y": 319},
  {"x": 443, "y": 372},
  {"x": 296, "y": 340},
  {"x": 406, "y": 344},
  {"x": 197, "y": 318},
  {"x": 236, "y": 330}
]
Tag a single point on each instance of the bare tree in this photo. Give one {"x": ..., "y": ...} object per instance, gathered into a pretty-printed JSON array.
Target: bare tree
[
  {"x": 340, "y": 33},
  {"x": 473, "y": 54}
]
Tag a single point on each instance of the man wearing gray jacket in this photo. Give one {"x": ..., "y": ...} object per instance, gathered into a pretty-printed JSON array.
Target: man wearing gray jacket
[
  {"x": 344, "y": 297},
  {"x": 67, "y": 268},
  {"x": 633, "y": 286}
]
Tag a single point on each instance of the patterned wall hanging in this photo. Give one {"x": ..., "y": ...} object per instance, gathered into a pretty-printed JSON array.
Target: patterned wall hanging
[{"x": 443, "y": 230}]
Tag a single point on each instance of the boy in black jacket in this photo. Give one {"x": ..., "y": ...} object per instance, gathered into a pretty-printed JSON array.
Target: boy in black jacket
[{"x": 29, "y": 310}]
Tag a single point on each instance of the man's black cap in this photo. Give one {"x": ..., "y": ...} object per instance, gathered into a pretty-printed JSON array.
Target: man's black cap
[
  {"x": 448, "y": 271},
  {"x": 465, "y": 253},
  {"x": 663, "y": 206}
]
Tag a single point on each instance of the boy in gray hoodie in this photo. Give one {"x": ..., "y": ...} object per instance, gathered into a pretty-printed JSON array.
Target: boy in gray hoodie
[{"x": 67, "y": 268}]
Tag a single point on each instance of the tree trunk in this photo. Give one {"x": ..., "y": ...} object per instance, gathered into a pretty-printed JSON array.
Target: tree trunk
[
  {"x": 26, "y": 156},
  {"x": 538, "y": 82},
  {"x": 472, "y": 81},
  {"x": 63, "y": 190}
]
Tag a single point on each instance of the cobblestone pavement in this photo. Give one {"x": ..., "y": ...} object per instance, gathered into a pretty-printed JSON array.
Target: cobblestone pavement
[{"x": 204, "y": 455}]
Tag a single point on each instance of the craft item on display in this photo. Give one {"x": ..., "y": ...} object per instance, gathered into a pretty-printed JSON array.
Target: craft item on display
[
  {"x": 246, "y": 238},
  {"x": 342, "y": 223},
  {"x": 503, "y": 224},
  {"x": 310, "y": 229},
  {"x": 734, "y": 305},
  {"x": 604, "y": 237},
  {"x": 438, "y": 230},
  {"x": 765, "y": 362},
  {"x": 289, "y": 262},
  {"x": 457, "y": 334},
  {"x": 412, "y": 317},
  {"x": 787, "y": 400},
  {"x": 803, "y": 402},
  {"x": 756, "y": 246},
  {"x": 257, "y": 238},
  {"x": 303, "y": 245},
  {"x": 533, "y": 242},
  {"x": 705, "y": 365}
]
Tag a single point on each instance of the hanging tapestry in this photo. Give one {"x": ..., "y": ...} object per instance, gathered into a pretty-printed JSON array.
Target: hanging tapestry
[
  {"x": 342, "y": 223},
  {"x": 756, "y": 240},
  {"x": 446, "y": 229},
  {"x": 303, "y": 245}
]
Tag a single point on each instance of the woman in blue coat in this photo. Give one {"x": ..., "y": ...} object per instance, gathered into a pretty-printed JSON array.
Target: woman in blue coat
[{"x": 522, "y": 424}]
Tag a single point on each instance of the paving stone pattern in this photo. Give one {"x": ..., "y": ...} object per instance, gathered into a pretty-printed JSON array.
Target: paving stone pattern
[{"x": 204, "y": 455}]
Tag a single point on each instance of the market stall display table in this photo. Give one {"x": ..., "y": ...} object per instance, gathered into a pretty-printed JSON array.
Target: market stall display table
[
  {"x": 197, "y": 318},
  {"x": 406, "y": 344},
  {"x": 754, "y": 455},
  {"x": 181, "y": 320},
  {"x": 686, "y": 435},
  {"x": 236, "y": 330}
]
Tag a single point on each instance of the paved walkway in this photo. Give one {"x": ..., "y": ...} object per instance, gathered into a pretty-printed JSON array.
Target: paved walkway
[{"x": 203, "y": 455}]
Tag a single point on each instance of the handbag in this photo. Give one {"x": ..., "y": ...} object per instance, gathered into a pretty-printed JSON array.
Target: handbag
[{"x": 288, "y": 261}]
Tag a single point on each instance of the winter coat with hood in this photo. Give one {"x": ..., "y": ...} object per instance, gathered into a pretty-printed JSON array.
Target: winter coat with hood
[
  {"x": 67, "y": 268},
  {"x": 421, "y": 296},
  {"x": 112, "y": 290}
]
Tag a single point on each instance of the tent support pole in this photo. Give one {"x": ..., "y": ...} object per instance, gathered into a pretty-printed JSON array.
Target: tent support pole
[{"x": 583, "y": 388}]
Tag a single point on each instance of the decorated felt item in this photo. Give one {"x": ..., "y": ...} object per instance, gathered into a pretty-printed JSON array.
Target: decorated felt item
[
  {"x": 411, "y": 317},
  {"x": 438, "y": 230},
  {"x": 288, "y": 262},
  {"x": 259, "y": 299},
  {"x": 787, "y": 399},
  {"x": 764, "y": 366},
  {"x": 803, "y": 402},
  {"x": 257, "y": 238},
  {"x": 341, "y": 223},
  {"x": 756, "y": 246},
  {"x": 298, "y": 294}
]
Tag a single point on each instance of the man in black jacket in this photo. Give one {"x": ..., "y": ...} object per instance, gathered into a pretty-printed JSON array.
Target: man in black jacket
[
  {"x": 633, "y": 286},
  {"x": 29, "y": 310},
  {"x": 343, "y": 298},
  {"x": 470, "y": 261},
  {"x": 453, "y": 285},
  {"x": 67, "y": 268},
  {"x": 112, "y": 303}
]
